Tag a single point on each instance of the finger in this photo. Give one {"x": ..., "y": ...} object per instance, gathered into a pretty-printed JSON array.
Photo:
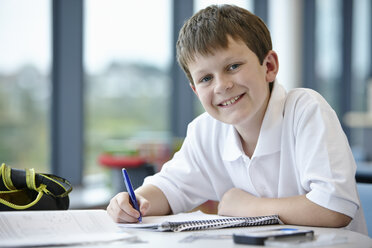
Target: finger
[
  {"x": 124, "y": 203},
  {"x": 121, "y": 210}
]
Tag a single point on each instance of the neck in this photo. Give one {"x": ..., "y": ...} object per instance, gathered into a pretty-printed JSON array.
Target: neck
[
  {"x": 249, "y": 138},
  {"x": 249, "y": 131}
]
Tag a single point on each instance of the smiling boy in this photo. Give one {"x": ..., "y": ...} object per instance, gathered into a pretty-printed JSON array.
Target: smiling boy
[{"x": 258, "y": 150}]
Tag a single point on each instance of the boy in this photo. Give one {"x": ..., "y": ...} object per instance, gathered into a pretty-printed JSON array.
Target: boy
[{"x": 257, "y": 150}]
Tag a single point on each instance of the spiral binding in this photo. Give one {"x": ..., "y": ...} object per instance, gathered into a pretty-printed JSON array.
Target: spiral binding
[{"x": 220, "y": 223}]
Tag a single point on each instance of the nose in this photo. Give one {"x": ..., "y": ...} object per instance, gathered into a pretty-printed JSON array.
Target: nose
[{"x": 223, "y": 83}]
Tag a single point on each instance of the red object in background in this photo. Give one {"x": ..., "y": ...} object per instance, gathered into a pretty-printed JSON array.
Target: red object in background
[{"x": 117, "y": 161}]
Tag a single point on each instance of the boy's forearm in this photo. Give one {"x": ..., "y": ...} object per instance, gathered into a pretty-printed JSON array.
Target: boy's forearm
[
  {"x": 298, "y": 210},
  {"x": 295, "y": 210},
  {"x": 158, "y": 202}
]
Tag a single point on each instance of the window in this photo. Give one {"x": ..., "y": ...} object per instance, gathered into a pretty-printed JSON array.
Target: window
[
  {"x": 328, "y": 51},
  {"x": 361, "y": 86},
  {"x": 361, "y": 60},
  {"x": 127, "y": 86},
  {"x": 25, "y": 83},
  {"x": 200, "y": 4}
]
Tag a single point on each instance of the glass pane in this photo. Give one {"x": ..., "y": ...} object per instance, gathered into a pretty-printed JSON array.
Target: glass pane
[
  {"x": 127, "y": 61},
  {"x": 361, "y": 63},
  {"x": 25, "y": 83},
  {"x": 361, "y": 90},
  {"x": 200, "y": 4},
  {"x": 328, "y": 50}
]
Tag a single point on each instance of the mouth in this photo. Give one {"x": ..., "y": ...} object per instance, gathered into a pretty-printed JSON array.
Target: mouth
[{"x": 230, "y": 101}]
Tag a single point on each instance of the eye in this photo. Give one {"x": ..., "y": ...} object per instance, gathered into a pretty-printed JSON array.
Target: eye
[
  {"x": 233, "y": 67},
  {"x": 205, "y": 79}
]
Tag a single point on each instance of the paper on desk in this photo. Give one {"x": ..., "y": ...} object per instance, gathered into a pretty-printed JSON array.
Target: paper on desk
[
  {"x": 36, "y": 228},
  {"x": 155, "y": 221}
]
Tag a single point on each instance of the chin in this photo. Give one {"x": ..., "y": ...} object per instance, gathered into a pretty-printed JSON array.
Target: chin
[{"x": 229, "y": 121}]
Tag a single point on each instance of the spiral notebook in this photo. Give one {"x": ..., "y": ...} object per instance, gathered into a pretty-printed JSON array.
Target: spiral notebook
[{"x": 200, "y": 221}]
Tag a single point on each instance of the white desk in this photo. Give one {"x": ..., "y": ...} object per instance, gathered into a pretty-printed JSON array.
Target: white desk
[{"x": 154, "y": 239}]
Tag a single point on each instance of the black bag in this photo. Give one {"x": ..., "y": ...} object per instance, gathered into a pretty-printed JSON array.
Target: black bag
[{"x": 27, "y": 190}]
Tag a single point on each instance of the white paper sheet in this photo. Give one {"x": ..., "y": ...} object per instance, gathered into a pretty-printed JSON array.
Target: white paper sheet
[{"x": 31, "y": 228}]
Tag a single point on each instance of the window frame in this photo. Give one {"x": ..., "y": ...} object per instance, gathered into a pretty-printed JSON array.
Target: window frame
[
  {"x": 67, "y": 115},
  {"x": 67, "y": 90}
]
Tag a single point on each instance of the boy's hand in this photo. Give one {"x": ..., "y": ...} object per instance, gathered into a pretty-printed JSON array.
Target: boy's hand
[{"x": 121, "y": 210}]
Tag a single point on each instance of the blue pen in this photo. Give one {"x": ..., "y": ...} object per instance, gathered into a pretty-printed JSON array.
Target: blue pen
[{"x": 132, "y": 196}]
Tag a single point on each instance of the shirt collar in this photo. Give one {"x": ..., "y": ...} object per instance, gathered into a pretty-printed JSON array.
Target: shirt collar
[
  {"x": 233, "y": 147},
  {"x": 269, "y": 139}
]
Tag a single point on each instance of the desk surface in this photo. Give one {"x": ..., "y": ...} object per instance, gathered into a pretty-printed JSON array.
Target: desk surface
[{"x": 216, "y": 238}]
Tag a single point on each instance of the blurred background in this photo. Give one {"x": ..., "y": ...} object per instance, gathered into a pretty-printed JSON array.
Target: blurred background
[{"x": 89, "y": 86}]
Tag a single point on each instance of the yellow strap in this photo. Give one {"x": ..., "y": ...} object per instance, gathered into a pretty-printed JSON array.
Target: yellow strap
[
  {"x": 54, "y": 179},
  {"x": 44, "y": 189},
  {"x": 23, "y": 207},
  {"x": 30, "y": 179},
  {"x": 6, "y": 171}
]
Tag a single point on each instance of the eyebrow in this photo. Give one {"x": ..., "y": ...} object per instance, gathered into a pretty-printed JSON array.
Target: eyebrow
[{"x": 225, "y": 60}]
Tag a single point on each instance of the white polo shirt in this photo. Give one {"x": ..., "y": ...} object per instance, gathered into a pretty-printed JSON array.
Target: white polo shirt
[{"x": 301, "y": 149}]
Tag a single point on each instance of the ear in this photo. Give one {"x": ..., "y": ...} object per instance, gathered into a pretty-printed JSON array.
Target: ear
[
  {"x": 193, "y": 89},
  {"x": 272, "y": 66}
]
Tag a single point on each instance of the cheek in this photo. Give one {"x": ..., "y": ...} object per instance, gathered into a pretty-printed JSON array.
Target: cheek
[
  {"x": 202, "y": 94},
  {"x": 205, "y": 99}
]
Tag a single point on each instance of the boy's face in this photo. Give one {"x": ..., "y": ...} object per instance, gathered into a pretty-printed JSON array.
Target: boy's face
[{"x": 232, "y": 85}]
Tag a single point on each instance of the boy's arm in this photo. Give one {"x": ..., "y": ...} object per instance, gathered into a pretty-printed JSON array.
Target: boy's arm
[
  {"x": 151, "y": 201},
  {"x": 295, "y": 210}
]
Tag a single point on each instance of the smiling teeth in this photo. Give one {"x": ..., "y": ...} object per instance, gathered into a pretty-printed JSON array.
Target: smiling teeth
[{"x": 230, "y": 101}]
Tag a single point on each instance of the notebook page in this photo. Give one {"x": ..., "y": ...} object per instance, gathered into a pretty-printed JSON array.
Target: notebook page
[{"x": 155, "y": 221}]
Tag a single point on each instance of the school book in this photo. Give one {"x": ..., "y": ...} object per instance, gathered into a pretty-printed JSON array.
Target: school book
[
  {"x": 59, "y": 227},
  {"x": 199, "y": 221}
]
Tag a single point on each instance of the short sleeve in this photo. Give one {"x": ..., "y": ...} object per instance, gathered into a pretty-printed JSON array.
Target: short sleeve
[{"x": 324, "y": 158}]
